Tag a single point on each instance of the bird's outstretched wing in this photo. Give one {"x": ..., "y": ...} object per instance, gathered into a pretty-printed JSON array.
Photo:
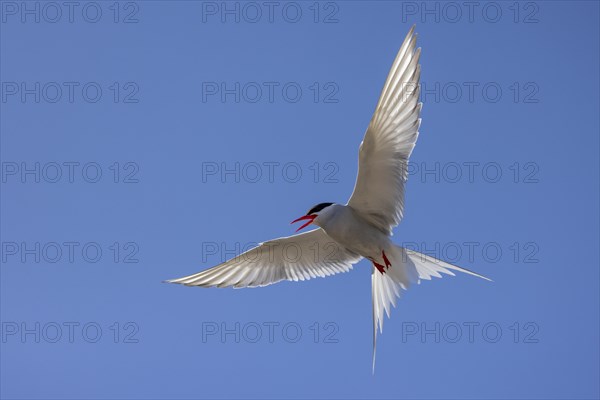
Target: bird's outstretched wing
[
  {"x": 294, "y": 258},
  {"x": 390, "y": 138}
]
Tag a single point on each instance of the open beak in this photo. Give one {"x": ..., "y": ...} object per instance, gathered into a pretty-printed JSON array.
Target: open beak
[{"x": 310, "y": 219}]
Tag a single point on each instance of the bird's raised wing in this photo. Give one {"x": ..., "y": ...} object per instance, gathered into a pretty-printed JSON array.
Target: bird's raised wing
[
  {"x": 390, "y": 138},
  {"x": 294, "y": 258}
]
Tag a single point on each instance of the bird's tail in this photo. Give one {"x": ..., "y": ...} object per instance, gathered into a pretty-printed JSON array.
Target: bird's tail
[{"x": 407, "y": 267}]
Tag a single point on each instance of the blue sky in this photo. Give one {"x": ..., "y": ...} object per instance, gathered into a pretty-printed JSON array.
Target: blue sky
[{"x": 142, "y": 141}]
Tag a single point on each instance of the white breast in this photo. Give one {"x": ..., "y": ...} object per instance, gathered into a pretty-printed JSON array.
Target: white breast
[{"x": 345, "y": 226}]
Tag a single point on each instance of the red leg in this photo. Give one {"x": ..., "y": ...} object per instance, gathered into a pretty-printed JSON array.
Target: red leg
[
  {"x": 379, "y": 267},
  {"x": 385, "y": 260}
]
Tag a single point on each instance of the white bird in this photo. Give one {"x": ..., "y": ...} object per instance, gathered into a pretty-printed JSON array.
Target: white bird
[{"x": 363, "y": 227}]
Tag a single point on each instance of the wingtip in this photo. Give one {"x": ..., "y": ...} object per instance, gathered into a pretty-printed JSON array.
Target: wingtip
[{"x": 411, "y": 32}]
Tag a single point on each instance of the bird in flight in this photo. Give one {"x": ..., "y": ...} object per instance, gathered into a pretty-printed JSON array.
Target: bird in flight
[{"x": 362, "y": 228}]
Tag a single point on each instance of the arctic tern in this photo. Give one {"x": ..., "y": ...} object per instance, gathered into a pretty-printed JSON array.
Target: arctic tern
[{"x": 362, "y": 228}]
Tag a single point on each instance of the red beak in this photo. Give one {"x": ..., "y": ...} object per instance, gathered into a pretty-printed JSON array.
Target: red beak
[{"x": 310, "y": 219}]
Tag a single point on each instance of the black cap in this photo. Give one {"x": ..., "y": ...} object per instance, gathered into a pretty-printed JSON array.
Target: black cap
[{"x": 318, "y": 208}]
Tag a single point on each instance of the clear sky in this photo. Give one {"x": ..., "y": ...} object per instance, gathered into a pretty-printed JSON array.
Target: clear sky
[{"x": 143, "y": 141}]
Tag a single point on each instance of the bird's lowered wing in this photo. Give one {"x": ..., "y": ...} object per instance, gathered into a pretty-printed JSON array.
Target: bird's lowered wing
[
  {"x": 294, "y": 258},
  {"x": 390, "y": 138}
]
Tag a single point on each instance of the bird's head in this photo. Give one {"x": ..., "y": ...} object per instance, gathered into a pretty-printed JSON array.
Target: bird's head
[{"x": 313, "y": 214}]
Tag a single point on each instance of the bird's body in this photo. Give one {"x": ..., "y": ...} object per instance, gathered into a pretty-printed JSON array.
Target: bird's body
[
  {"x": 352, "y": 231},
  {"x": 363, "y": 227}
]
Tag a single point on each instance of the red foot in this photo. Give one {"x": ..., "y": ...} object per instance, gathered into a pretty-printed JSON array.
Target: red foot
[
  {"x": 385, "y": 259},
  {"x": 380, "y": 267}
]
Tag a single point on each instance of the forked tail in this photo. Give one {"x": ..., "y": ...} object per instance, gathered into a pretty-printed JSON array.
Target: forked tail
[{"x": 407, "y": 267}]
